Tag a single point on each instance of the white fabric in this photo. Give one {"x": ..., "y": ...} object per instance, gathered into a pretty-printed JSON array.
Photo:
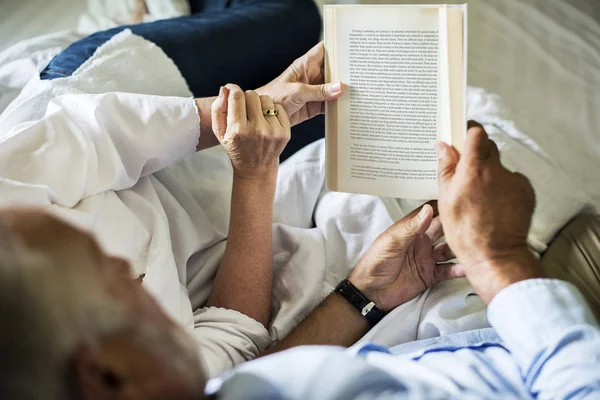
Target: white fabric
[
  {"x": 172, "y": 224},
  {"x": 106, "y": 14},
  {"x": 542, "y": 57},
  {"x": 67, "y": 149},
  {"x": 227, "y": 338},
  {"x": 21, "y": 20},
  {"x": 23, "y": 61}
]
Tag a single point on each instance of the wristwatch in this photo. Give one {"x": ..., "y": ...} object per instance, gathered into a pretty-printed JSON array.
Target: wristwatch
[{"x": 366, "y": 307}]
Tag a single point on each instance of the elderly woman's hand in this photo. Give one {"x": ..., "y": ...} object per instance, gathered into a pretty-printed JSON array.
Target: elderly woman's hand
[
  {"x": 301, "y": 89},
  {"x": 253, "y": 141}
]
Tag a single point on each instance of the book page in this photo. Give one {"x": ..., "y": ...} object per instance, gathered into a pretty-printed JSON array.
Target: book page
[
  {"x": 387, "y": 121},
  {"x": 457, "y": 62}
]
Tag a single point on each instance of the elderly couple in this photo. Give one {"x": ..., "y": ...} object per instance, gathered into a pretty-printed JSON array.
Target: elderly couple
[{"x": 92, "y": 206}]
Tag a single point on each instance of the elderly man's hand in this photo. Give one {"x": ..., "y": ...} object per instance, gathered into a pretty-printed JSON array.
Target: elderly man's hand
[
  {"x": 403, "y": 261},
  {"x": 486, "y": 212},
  {"x": 252, "y": 140},
  {"x": 301, "y": 89}
]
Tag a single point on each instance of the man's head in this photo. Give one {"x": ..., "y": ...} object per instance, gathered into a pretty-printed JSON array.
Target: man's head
[{"x": 75, "y": 324}]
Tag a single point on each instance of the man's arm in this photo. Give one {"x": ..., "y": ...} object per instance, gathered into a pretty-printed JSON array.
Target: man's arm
[
  {"x": 547, "y": 326},
  {"x": 334, "y": 322},
  {"x": 553, "y": 336},
  {"x": 402, "y": 263}
]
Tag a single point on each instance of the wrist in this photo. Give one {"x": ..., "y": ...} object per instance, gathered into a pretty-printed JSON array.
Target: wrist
[
  {"x": 491, "y": 276},
  {"x": 259, "y": 176},
  {"x": 263, "y": 90},
  {"x": 207, "y": 137},
  {"x": 363, "y": 305},
  {"x": 368, "y": 288}
]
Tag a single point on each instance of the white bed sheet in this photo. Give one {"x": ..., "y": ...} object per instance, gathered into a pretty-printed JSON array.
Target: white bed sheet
[
  {"x": 542, "y": 57},
  {"x": 25, "y": 19},
  {"x": 544, "y": 63}
]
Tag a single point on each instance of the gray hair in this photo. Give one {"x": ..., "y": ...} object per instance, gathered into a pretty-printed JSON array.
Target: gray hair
[
  {"x": 47, "y": 311},
  {"x": 46, "y": 314}
]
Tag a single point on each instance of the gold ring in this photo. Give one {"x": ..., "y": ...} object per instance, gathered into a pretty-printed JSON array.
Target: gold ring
[{"x": 269, "y": 111}]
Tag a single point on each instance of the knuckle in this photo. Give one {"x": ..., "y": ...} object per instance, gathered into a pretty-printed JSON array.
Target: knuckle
[
  {"x": 411, "y": 224},
  {"x": 478, "y": 134},
  {"x": 283, "y": 137},
  {"x": 264, "y": 130},
  {"x": 386, "y": 240},
  {"x": 444, "y": 171},
  {"x": 236, "y": 128},
  {"x": 321, "y": 91},
  {"x": 473, "y": 124},
  {"x": 526, "y": 185},
  {"x": 522, "y": 179},
  {"x": 237, "y": 94},
  {"x": 284, "y": 115},
  {"x": 493, "y": 146},
  {"x": 233, "y": 87}
]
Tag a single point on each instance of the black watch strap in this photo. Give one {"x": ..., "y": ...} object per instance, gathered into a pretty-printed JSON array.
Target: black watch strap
[{"x": 366, "y": 307}]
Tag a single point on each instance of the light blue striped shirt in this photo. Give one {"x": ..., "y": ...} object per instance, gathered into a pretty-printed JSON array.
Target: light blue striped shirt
[{"x": 544, "y": 344}]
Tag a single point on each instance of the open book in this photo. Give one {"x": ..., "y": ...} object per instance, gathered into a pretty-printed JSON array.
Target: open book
[{"x": 404, "y": 71}]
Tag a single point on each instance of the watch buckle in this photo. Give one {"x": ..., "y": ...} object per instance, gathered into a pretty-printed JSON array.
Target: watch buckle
[{"x": 367, "y": 309}]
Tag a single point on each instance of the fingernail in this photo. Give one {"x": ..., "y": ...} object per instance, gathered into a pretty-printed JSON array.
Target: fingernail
[
  {"x": 423, "y": 213},
  {"x": 221, "y": 92},
  {"x": 440, "y": 149},
  {"x": 336, "y": 87}
]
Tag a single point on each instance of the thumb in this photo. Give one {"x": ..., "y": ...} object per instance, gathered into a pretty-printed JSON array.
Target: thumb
[
  {"x": 446, "y": 164},
  {"x": 325, "y": 92},
  {"x": 414, "y": 224}
]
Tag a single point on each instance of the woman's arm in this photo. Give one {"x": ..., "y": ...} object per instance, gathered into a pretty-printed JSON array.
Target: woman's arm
[
  {"x": 88, "y": 144},
  {"x": 207, "y": 136},
  {"x": 244, "y": 279},
  {"x": 254, "y": 142}
]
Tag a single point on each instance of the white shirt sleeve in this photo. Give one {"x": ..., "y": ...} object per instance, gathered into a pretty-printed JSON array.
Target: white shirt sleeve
[
  {"x": 227, "y": 338},
  {"x": 88, "y": 144}
]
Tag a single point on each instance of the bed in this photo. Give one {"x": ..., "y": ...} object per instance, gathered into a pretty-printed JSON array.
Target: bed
[{"x": 541, "y": 57}]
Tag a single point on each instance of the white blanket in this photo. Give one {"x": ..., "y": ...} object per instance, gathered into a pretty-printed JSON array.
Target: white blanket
[
  {"x": 23, "y": 61},
  {"x": 319, "y": 235}
]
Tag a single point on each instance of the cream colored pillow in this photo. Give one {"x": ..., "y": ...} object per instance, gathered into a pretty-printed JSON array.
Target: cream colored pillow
[{"x": 574, "y": 256}]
